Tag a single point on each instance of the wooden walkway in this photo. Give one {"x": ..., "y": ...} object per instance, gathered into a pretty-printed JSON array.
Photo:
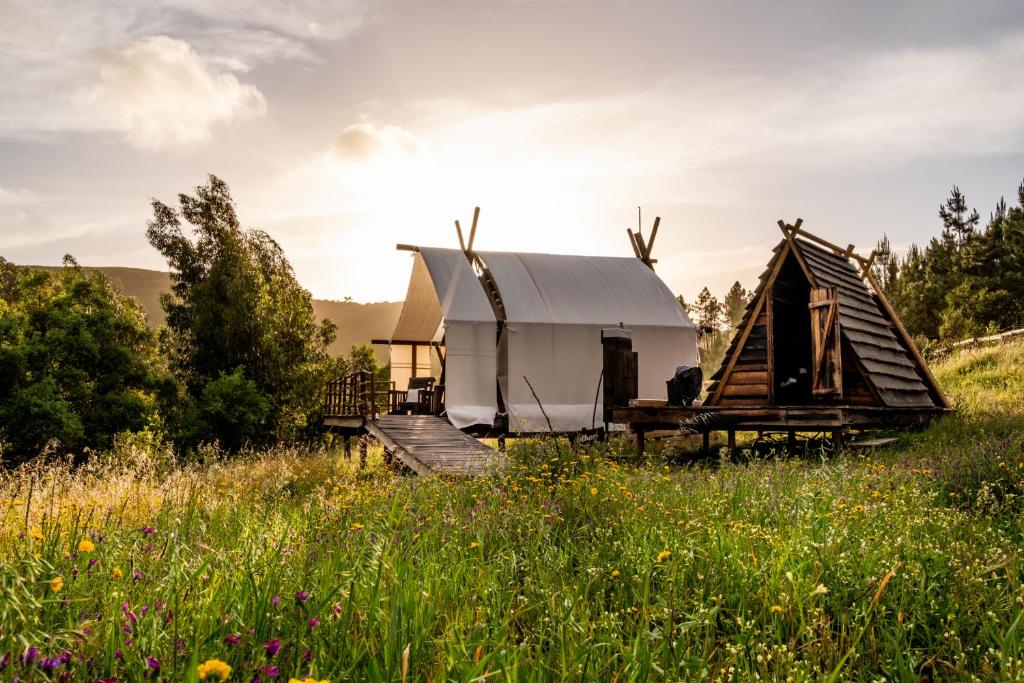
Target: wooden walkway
[{"x": 430, "y": 445}]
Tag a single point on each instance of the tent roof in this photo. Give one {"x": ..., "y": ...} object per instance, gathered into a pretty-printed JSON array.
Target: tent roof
[
  {"x": 443, "y": 286},
  {"x": 599, "y": 290}
]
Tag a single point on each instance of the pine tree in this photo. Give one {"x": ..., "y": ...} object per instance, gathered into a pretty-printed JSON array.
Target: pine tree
[
  {"x": 734, "y": 304},
  {"x": 958, "y": 224},
  {"x": 709, "y": 310}
]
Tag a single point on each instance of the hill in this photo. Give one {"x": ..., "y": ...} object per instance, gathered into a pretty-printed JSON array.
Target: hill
[{"x": 357, "y": 323}]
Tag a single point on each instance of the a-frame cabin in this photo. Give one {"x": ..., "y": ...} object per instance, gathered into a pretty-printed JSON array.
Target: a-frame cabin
[{"x": 819, "y": 332}]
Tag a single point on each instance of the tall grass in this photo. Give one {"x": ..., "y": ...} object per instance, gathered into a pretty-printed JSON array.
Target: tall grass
[{"x": 566, "y": 566}]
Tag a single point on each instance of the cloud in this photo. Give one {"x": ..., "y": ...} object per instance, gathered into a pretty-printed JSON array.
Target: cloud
[
  {"x": 58, "y": 47},
  {"x": 365, "y": 141},
  {"x": 159, "y": 92},
  {"x": 10, "y": 197}
]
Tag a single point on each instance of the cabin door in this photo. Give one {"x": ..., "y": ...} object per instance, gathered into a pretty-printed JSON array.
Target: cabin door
[{"x": 826, "y": 363}]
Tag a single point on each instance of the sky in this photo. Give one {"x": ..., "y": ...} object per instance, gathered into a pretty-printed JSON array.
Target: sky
[{"x": 344, "y": 127}]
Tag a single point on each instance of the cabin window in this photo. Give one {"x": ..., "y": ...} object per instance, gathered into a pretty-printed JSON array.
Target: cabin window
[{"x": 826, "y": 363}]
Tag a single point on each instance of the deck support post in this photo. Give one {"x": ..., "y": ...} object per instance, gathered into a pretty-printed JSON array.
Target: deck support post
[
  {"x": 707, "y": 442},
  {"x": 501, "y": 443},
  {"x": 641, "y": 442},
  {"x": 791, "y": 441},
  {"x": 347, "y": 440},
  {"x": 732, "y": 443},
  {"x": 363, "y": 441},
  {"x": 837, "y": 439}
]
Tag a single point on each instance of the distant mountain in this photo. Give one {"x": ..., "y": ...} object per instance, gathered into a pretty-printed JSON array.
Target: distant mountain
[{"x": 357, "y": 323}]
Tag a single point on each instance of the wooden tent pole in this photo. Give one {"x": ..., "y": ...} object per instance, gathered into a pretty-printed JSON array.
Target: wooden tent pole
[
  {"x": 458, "y": 229},
  {"x": 472, "y": 230},
  {"x": 650, "y": 242},
  {"x": 632, "y": 243}
]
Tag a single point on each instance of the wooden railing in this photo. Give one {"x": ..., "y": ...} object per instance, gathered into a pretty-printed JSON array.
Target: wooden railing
[{"x": 359, "y": 393}]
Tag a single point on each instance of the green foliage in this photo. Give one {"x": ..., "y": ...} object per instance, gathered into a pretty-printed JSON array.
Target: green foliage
[
  {"x": 734, "y": 305},
  {"x": 232, "y": 408},
  {"x": 235, "y": 303},
  {"x": 965, "y": 282},
  {"x": 78, "y": 362}
]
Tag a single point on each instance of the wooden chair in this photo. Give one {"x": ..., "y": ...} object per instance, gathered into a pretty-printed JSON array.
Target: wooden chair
[{"x": 418, "y": 398}]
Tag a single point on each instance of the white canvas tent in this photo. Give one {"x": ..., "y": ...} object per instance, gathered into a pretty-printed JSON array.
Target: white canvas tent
[{"x": 554, "y": 307}]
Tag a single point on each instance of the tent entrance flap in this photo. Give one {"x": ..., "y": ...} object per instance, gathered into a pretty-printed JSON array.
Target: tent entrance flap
[{"x": 446, "y": 303}]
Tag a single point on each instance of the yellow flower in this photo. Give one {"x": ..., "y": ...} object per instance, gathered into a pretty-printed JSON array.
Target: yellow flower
[
  {"x": 118, "y": 573},
  {"x": 37, "y": 533},
  {"x": 357, "y": 526},
  {"x": 86, "y": 546},
  {"x": 776, "y": 608},
  {"x": 214, "y": 667},
  {"x": 307, "y": 680},
  {"x": 615, "y": 573},
  {"x": 593, "y": 491},
  {"x": 57, "y": 583},
  {"x": 664, "y": 555},
  {"x": 474, "y": 544}
]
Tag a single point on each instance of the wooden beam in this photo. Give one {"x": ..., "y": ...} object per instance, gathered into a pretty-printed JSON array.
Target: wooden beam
[
  {"x": 640, "y": 244},
  {"x": 472, "y": 230},
  {"x": 406, "y": 247},
  {"x": 754, "y": 315},
  {"x": 632, "y": 243},
  {"x": 458, "y": 229},
  {"x": 401, "y": 342},
  {"x": 866, "y": 266},
  {"x": 789, "y": 231},
  {"x": 654, "y": 234}
]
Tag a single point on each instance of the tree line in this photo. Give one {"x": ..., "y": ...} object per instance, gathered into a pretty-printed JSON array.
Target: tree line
[
  {"x": 966, "y": 281},
  {"x": 240, "y": 361}
]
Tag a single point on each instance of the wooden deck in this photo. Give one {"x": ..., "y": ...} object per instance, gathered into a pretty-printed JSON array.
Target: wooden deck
[{"x": 430, "y": 445}]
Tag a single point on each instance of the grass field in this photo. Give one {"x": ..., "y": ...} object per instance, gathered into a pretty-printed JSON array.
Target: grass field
[{"x": 906, "y": 564}]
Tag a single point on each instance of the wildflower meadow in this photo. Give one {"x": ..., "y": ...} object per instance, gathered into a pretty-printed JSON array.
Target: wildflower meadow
[{"x": 573, "y": 563}]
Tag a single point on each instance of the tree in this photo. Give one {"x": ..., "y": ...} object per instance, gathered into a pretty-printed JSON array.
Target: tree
[
  {"x": 78, "y": 361},
  {"x": 886, "y": 265},
  {"x": 686, "y": 307},
  {"x": 734, "y": 305},
  {"x": 236, "y": 316},
  {"x": 708, "y": 309},
  {"x": 965, "y": 282},
  {"x": 958, "y": 223}
]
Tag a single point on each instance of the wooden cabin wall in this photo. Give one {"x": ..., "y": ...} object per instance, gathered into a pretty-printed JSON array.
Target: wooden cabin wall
[{"x": 749, "y": 381}]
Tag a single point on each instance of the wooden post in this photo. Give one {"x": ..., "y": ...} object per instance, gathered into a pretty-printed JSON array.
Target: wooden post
[
  {"x": 837, "y": 439},
  {"x": 501, "y": 443},
  {"x": 362, "y": 451},
  {"x": 641, "y": 442},
  {"x": 348, "y": 446},
  {"x": 707, "y": 442},
  {"x": 791, "y": 441},
  {"x": 732, "y": 443}
]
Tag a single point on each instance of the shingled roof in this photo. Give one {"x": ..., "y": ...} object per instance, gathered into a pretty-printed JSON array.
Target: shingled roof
[
  {"x": 872, "y": 336},
  {"x": 881, "y": 352}
]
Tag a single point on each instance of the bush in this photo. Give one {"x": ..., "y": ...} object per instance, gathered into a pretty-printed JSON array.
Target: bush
[{"x": 233, "y": 408}]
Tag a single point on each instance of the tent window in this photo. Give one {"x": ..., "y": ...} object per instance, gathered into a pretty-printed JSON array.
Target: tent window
[{"x": 827, "y": 370}]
